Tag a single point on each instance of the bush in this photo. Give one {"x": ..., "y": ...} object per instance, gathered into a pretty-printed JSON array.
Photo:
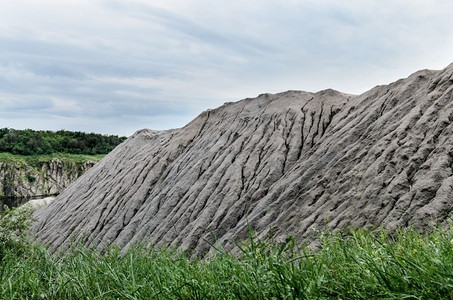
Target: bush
[{"x": 14, "y": 227}]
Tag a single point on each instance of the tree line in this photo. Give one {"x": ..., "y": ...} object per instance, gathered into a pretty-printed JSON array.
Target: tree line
[{"x": 33, "y": 142}]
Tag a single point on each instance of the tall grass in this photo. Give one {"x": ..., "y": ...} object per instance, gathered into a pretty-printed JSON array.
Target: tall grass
[{"x": 356, "y": 265}]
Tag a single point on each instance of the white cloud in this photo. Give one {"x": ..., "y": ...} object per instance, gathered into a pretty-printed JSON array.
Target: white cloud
[{"x": 93, "y": 63}]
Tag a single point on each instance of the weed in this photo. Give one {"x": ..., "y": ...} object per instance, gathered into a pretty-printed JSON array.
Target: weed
[{"x": 353, "y": 264}]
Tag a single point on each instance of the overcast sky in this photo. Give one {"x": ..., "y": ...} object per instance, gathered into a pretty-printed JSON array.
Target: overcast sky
[{"x": 116, "y": 66}]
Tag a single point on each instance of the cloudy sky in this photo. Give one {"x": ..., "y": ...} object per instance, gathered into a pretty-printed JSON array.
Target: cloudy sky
[{"x": 116, "y": 66}]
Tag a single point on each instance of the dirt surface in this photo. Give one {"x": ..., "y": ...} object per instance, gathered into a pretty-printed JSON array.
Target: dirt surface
[{"x": 286, "y": 163}]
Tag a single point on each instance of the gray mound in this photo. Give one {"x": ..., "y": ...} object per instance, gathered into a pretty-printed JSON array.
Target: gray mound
[{"x": 285, "y": 163}]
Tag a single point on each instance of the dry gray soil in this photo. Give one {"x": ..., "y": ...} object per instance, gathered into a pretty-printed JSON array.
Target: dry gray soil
[{"x": 286, "y": 163}]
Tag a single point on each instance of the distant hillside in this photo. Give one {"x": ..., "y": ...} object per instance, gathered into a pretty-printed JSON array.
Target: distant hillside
[
  {"x": 285, "y": 164},
  {"x": 23, "y": 177},
  {"x": 32, "y": 142},
  {"x": 43, "y": 163}
]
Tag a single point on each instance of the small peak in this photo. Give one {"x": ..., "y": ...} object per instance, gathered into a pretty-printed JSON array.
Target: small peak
[
  {"x": 328, "y": 92},
  {"x": 423, "y": 73},
  {"x": 145, "y": 132},
  {"x": 291, "y": 92},
  {"x": 264, "y": 95}
]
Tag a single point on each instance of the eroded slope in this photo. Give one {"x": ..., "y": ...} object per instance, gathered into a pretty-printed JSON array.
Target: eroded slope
[
  {"x": 286, "y": 162},
  {"x": 387, "y": 161}
]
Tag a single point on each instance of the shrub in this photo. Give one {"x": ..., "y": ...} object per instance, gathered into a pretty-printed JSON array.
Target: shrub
[{"x": 14, "y": 227}]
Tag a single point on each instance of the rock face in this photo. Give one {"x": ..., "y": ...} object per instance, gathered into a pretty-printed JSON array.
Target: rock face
[
  {"x": 22, "y": 180},
  {"x": 285, "y": 163}
]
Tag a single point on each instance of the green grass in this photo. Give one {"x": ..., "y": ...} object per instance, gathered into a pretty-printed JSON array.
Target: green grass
[
  {"x": 353, "y": 265},
  {"x": 39, "y": 160}
]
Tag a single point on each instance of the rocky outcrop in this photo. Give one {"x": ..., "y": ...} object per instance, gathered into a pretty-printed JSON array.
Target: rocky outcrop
[
  {"x": 284, "y": 163},
  {"x": 19, "y": 179}
]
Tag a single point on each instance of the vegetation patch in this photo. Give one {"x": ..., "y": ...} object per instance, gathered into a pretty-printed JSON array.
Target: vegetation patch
[
  {"x": 357, "y": 264},
  {"x": 38, "y": 142},
  {"x": 37, "y": 161}
]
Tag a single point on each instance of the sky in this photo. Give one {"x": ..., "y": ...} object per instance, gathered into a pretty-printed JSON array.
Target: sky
[{"x": 114, "y": 67}]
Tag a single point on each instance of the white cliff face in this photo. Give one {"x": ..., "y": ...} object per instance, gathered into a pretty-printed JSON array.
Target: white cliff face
[
  {"x": 285, "y": 163},
  {"x": 20, "y": 180}
]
